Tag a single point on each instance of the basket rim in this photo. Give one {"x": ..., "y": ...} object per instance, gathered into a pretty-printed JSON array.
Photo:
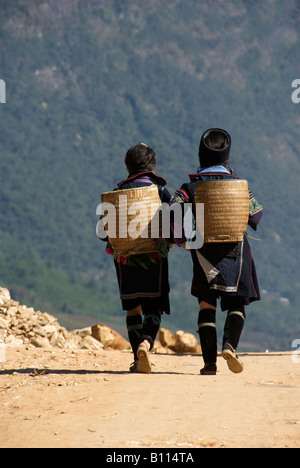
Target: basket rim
[
  {"x": 131, "y": 189},
  {"x": 200, "y": 182}
]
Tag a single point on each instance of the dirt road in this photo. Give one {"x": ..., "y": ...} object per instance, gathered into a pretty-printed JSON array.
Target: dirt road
[{"x": 55, "y": 398}]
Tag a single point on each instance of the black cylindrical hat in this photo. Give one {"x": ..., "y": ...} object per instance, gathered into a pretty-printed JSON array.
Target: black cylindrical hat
[{"x": 209, "y": 156}]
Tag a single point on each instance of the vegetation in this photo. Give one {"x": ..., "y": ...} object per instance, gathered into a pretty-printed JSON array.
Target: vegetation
[{"x": 85, "y": 80}]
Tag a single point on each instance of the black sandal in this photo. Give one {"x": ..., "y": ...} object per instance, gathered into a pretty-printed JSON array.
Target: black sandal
[
  {"x": 209, "y": 369},
  {"x": 133, "y": 367}
]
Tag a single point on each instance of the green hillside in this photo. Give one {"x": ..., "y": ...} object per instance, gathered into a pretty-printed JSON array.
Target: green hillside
[{"x": 85, "y": 80}]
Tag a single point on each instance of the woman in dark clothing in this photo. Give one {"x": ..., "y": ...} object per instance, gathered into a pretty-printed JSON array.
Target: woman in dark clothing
[
  {"x": 224, "y": 271},
  {"x": 143, "y": 278}
]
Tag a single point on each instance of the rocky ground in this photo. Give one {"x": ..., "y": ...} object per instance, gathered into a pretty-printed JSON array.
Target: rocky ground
[
  {"x": 70, "y": 391},
  {"x": 21, "y": 325}
]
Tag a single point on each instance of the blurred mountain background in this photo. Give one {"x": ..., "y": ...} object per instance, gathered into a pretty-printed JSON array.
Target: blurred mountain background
[{"x": 87, "y": 79}]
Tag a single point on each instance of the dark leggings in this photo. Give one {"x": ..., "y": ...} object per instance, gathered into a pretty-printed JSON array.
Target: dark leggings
[
  {"x": 140, "y": 329},
  {"x": 208, "y": 334}
]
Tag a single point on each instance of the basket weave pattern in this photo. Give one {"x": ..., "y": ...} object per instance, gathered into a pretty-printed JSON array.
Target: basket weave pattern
[
  {"x": 136, "y": 241},
  {"x": 226, "y": 209}
]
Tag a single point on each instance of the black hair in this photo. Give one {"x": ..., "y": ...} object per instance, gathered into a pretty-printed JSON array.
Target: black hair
[
  {"x": 216, "y": 139},
  {"x": 140, "y": 158}
]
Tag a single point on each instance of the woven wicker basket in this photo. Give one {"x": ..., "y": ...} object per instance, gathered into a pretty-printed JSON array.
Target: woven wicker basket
[
  {"x": 128, "y": 242},
  {"x": 226, "y": 209}
]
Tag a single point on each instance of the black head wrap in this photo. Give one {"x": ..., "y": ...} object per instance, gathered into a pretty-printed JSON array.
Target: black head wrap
[{"x": 209, "y": 156}]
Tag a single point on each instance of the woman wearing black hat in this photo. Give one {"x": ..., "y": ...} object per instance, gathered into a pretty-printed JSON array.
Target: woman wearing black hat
[{"x": 221, "y": 270}]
